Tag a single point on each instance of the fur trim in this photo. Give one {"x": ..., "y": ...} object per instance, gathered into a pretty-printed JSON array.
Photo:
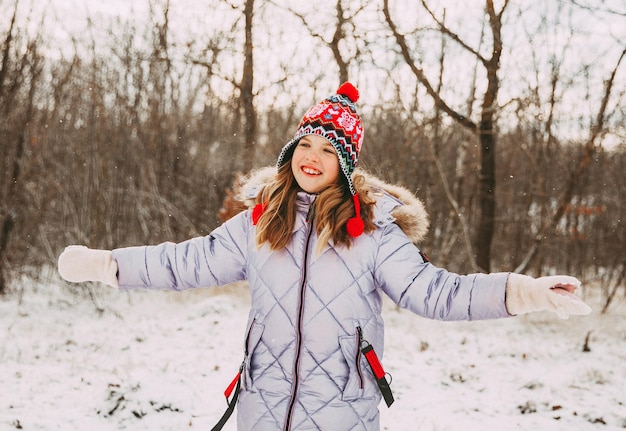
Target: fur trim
[
  {"x": 411, "y": 216},
  {"x": 409, "y": 213}
]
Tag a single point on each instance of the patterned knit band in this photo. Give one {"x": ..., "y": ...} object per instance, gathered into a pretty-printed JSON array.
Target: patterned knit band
[{"x": 335, "y": 119}]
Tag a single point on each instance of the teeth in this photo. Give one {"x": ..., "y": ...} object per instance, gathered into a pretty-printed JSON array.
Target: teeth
[{"x": 311, "y": 171}]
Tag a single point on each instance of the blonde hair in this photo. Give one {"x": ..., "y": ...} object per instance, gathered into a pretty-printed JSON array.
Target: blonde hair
[{"x": 333, "y": 207}]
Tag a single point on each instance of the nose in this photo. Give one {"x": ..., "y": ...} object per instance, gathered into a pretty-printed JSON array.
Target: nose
[{"x": 312, "y": 155}]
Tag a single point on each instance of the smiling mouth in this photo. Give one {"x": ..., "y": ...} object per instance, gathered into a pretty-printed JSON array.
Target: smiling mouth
[{"x": 311, "y": 171}]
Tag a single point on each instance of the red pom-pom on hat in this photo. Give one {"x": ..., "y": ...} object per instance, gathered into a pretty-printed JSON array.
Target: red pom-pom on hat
[
  {"x": 349, "y": 90},
  {"x": 355, "y": 225}
]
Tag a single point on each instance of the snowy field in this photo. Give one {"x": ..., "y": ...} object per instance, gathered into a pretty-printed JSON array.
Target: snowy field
[{"x": 93, "y": 359}]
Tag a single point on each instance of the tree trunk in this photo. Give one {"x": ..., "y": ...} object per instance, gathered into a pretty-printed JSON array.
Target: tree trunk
[
  {"x": 486, "y": 129},
  {"x": 486, "y": 196},
  {"x": 488, "y": 141},
  {"x": 247, "y": 95}
]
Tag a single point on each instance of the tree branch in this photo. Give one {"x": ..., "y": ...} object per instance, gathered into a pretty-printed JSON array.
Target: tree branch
[
  {"x": 421, "y": 77},
  {"x": 445, "y": 30}
]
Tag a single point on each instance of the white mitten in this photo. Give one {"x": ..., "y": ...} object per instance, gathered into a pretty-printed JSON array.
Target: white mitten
[
  {"x": 78, "y": 263},
  {"x": 526, "y": 294}
]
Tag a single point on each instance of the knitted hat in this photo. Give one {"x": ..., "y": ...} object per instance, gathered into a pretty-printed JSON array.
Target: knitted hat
[{"x": 335, "y": 119}]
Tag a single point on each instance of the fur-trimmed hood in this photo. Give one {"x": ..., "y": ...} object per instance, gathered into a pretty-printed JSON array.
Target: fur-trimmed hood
[{"x": 394, "y": 204}]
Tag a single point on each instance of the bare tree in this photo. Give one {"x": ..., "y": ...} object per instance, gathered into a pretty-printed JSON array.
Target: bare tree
[
  {"x": 246, "y": 88},
  {"x": 20, "y": 70},
  {"x": 342, "y": 32},
  {"x": 485, "y": 127},
  {"x": 588, "y": 151}
]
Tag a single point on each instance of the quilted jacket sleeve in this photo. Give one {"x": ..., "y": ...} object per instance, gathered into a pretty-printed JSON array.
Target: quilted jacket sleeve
[
  {"x": 434, "y": 292},
  {"x": 216, "y": 259}
]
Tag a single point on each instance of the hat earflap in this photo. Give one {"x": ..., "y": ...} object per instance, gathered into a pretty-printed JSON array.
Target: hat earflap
[{"x": 355, "y": 225}]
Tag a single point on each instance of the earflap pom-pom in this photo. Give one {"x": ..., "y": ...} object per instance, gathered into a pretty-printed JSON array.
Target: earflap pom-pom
[
  {"x": 257, "y": 212},
  {"x": 349, "y": 90},
  {"x": 355, "y": 227}
]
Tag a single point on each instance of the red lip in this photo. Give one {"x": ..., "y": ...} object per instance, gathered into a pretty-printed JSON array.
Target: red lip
[{"x": 304, "y": 169}]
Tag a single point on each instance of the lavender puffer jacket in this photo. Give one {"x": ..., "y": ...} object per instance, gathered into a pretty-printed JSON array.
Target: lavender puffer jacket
[{"x": 303, "y": 369}]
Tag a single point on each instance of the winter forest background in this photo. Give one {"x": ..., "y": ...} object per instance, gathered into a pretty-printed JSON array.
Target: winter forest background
[{"x": 126, "y": 122}]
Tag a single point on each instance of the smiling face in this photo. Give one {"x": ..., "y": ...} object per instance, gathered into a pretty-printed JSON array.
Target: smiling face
[{"x": 314, "y": 164}]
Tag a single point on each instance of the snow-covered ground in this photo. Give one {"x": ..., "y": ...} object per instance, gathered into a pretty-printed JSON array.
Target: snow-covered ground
[{"x": 108, "y": 360}]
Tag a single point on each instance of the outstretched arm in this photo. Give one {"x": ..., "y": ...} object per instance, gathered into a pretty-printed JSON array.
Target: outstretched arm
[
  {"x": 216, "y": 259},
  {"x": 436, "y": 293}
]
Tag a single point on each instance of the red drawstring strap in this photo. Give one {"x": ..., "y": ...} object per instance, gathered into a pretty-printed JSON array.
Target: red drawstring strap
[
  {"x": 236, "y": 386},
  {"x": 377, "y": 369}
]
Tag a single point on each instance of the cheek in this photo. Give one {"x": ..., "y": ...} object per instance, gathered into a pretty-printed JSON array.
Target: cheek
[
  {"x": 331, "y": 163},
  {"x": 296, "y": 156},
  {"x": 293, "y": 163}
]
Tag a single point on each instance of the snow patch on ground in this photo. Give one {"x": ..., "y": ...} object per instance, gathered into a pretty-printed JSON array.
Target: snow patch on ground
[{"x": 91, "y": 358}]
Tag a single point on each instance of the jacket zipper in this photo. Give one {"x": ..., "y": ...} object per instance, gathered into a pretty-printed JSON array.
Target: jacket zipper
[
  {"x": 296, "y": 366},
  {"x": 247, "y": 346},
  {"x": 359, "y": 339}
]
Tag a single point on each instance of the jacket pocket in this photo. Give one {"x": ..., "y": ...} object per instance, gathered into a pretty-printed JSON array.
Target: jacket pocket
[
  {"x": 253, "y": 336},
  {"x": 356, "y": 384}
]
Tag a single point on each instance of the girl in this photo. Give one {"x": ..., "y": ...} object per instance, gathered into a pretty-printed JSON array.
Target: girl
[{"x": 319, "y": 245}]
